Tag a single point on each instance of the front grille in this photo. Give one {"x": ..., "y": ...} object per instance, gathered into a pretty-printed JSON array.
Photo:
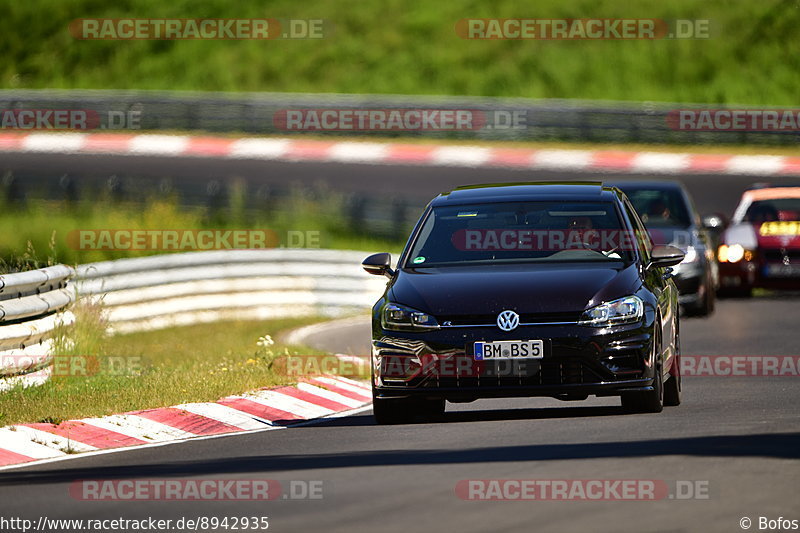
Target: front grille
[
  {"x": 549, "y": 372},
  {"x": 525, "y": 318}
]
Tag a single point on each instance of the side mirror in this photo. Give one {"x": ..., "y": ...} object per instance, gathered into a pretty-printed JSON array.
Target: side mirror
[
  {"x": 665, "y": 256},
  {"x": 379, "y": 264},
  {"x": 714, "y": 222}
]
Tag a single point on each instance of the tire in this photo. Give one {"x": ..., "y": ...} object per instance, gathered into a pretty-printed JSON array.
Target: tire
[
  {"x": 432, "y": 410},
  {"x": 672, "y": 388},
  {"x": 388, "y": 411},
  {"x": 672, "y": 391},
  {"x": 403, "y": 411},
  {"x": 709, "y": 301},
  {"x": 711, "y": 297},
  {"x": 647, "y": 401},
  {"x": 707, "y": 305}
]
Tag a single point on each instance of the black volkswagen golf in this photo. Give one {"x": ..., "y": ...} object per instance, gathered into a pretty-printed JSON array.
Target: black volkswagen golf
[{"x": 530, "y": 289}]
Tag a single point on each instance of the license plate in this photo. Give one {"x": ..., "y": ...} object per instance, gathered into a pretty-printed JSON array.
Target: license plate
[
  {"x": 488, "y": 351},
  {"x": 783, "y": 271}
]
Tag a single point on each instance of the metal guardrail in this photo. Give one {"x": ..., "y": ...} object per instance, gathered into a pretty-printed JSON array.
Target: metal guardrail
[
  {"x": 33, "y": 305},
  {"x": 175, "y": 289},
  {"x": 255, "y": 113},
  {"x": 178, "y": 289},
  {"x": 34, "y": 281}
]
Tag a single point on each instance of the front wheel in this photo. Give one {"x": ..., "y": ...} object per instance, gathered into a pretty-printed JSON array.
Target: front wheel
[
  {"x": 403, "y": 410},
  {"x": 648, "y": 401},
  {"x": 705, "y": 306},
  {"x": 389, "y": 411},
  {"x": 672, "y": 391},
  {"x": 672, "y": 388},
  {"x": 651, "y": 401}
]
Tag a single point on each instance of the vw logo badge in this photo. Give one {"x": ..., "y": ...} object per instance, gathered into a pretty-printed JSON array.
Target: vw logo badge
[{"x": 507, "y": 320}]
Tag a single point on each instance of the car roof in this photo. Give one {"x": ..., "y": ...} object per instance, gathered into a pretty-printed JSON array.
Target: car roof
[
  {"x": 772, "y": 193},
  {"x": 507, "y": 192},
  {"x": 655, "y": 185}
]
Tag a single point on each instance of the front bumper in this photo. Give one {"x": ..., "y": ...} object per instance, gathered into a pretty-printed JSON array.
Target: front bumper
[
  {"x": 578, "y": 361},
  {"x": 756, "y": 274}
]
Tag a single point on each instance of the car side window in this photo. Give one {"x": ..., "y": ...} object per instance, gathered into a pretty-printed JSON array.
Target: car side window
[
  {"x": 692, "y": 210},
  {"x": 642, "y": 236}
]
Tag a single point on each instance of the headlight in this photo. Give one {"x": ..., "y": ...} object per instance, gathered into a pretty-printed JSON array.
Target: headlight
[
  {"x": 730, "y": 254},
  {"x": 690, "y": 256},
  {"x": 401, "y": 318},
  {"x": 622, "y": 311}
]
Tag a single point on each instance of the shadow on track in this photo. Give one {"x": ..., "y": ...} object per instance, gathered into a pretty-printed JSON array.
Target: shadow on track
[
  {"x": 775, "y": 445},
  {"x": 490, "y": 415}
]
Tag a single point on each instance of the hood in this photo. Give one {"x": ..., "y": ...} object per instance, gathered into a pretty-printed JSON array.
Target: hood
[{"x": 526, "y": 289}]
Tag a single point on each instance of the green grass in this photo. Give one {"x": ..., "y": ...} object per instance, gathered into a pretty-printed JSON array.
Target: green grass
[
  {"x": 154, "y": 369},
  {"x": 36, "y": 234},
  {"x": 410, "y": 47}
]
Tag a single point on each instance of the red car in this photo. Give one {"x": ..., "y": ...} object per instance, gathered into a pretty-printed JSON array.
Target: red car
[{"x": 761, "y": 247}]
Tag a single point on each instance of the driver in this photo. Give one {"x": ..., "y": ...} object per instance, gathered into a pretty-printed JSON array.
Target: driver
[
  {"x": 657, "y": 210},
  {"x": 579, "y": 225}
]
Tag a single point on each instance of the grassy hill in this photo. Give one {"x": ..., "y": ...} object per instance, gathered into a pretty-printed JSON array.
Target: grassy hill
[{"x": 411, "y": 47}]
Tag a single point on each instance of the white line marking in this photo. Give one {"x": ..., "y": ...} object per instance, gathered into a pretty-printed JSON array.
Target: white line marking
[
  {"x": 330, "y": 395},
  {"x": 660, "y": 162},
  {"x": 138, "y": 427},
  {"x": 348, "y": 152},
  {"x": 572, "y": 159},
  {"x": 287, "y": 403},
  {"x": 53, "y": 142},
  {"x": 343, "y": 385},
  {"x": 19, "y": 442},
  {"x": 754, "y": 164},
  {"x": 461, "y": 156},
  {"x": 158, "y": 144},
  {"x": 259, "y": 148},
  {"x": 54, "y": 441},
  {"x": 223, "y": 413}
]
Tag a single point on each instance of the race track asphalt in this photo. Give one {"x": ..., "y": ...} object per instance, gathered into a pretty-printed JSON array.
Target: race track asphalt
[{"x": 739, "y": 437}]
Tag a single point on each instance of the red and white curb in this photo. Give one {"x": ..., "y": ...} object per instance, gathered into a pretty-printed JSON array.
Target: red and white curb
[
  {"x": 298, "y": 150},
  {"x": 312, "y": 398}
]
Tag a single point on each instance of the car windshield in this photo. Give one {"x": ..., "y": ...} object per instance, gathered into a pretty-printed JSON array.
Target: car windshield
[
  {"x": 773, "y": 210},
  {"x": 659, "y": 208},
  {"x": 520, "y": 232}
]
